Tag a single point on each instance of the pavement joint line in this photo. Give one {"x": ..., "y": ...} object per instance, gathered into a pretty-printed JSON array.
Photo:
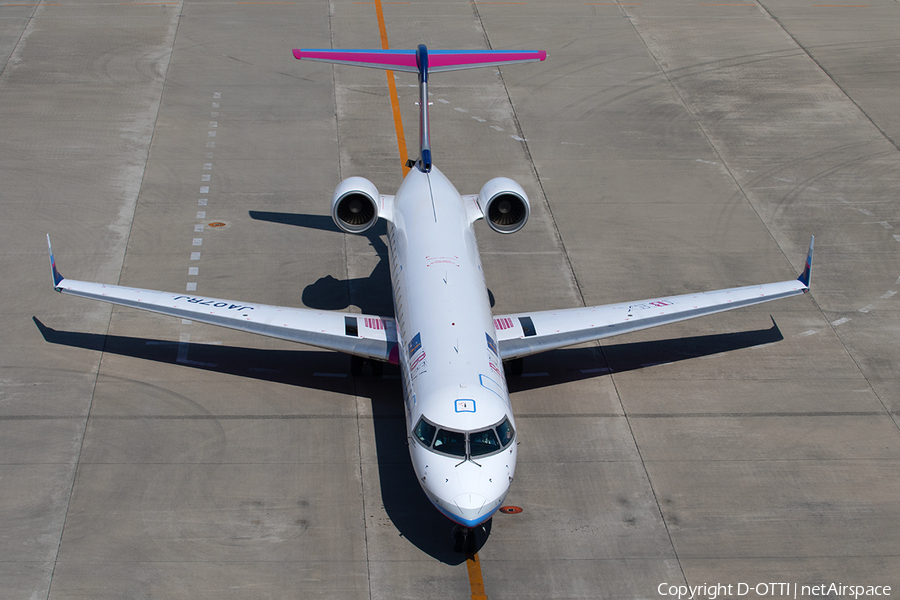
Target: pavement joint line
[{"x": 170, "y": 39}]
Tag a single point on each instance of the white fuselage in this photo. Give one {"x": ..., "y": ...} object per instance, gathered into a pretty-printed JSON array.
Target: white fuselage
[{"x": 452, "y": 374}]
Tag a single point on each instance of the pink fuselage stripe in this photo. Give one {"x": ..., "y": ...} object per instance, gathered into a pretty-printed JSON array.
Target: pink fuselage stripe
[{"x": 376, "y": 58}]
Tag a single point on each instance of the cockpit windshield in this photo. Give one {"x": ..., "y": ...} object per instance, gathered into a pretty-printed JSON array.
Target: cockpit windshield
[
  {"x": 425, "y": 432},
  {"x": 465, "y": 443},
  {"x": 450, "y": 442},
  {"x": 483, "y": 442}
]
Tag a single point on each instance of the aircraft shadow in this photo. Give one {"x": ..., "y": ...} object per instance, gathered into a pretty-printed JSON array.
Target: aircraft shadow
[
  {"x": 372, "y": 294},
  {"x": 574, "y": 364},
  {"x": 405, "y": 503}
]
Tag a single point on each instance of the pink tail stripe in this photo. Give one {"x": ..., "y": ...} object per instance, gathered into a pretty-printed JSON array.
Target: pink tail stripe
[
  {"x": 405, "y": 60},
  {"x": 439, "y": 59}
]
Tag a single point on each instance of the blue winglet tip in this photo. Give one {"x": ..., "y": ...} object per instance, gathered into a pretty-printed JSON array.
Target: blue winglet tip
[
  {"x": 57, "y": 278},
  {"x": 804, "y": 277}
]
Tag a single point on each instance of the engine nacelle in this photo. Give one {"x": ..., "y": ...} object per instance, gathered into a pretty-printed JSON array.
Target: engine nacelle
[
  {"x": 354, "y": 205},
  {"x": 504, "y": 205}
]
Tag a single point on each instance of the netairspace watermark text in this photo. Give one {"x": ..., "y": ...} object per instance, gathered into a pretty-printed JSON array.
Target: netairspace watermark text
[{"x": 711, "y": 591}]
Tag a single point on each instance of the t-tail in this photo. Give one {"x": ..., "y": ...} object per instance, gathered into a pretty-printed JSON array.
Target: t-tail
[{"x": 423, "y": 62}]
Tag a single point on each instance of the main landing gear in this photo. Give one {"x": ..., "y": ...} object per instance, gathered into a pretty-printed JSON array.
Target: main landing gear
[{"x": 357, "y": 363}]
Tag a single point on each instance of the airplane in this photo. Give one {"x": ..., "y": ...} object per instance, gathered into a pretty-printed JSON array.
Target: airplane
[{"x": 451, "y": 349}]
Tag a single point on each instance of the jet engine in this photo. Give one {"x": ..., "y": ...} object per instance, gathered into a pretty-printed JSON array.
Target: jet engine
[
  {"x": 504, "y": 205},
  {"x": 354, "y": 205}
]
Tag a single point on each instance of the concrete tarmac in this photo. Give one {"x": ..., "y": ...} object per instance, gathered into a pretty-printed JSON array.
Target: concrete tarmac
[{"x": 667, "y": 147}]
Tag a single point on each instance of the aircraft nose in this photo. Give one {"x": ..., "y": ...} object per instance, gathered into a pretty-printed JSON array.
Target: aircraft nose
[{"x": 471, "y": 506}]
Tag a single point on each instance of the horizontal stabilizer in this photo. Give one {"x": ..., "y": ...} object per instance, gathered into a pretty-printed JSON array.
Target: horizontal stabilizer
[{"x": 405, "y": 60}]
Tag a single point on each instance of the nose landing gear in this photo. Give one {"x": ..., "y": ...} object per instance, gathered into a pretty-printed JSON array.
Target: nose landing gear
[{"x": 463, "y": 539}]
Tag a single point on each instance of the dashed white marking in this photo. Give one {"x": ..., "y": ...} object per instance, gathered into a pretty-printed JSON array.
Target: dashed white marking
[
  {"x": 198, "y": 241},
  {"x": 214, "y": 114},
  {"x": 212, "y": 134},
  {"x": 209, "y": 155},
  {"x": 202, "y": 202},
  {"x": 198, "y": 227},
  {"x": 193, "y": 270},
  {"x": 898, "y": 281},
  {"x": 497, "y": 128},
  {"x": 707, "y": 162},
  {"x": 866, "y": 212},
  {"x": 839, "y": 322},
  {"x": 210, "y": 145},
  {"x": 195, "y": 256},
  {"x": 889, "y": 294},
  {"x": 462, "y": 110},
  {"x": 205, "y": 177},
  {"x": 646, "y": 365},
  {"x": 215, "y": 105},
  {"x": 480, "y": 120},
  {"x": 186, "y": 321},
  {"x": 885, "y": 224},
  {"x": 443, "y": 101},
  {"x": 217, "y": 94},
  {"x": 897, "y": 237},
  {"x": 570, "y": 144},
  {"x": 201, "y": 214},
  {"x": 866, "y": 309},
  {"x": 207, "y": 166},
  {"x": 191, "y": 287},
  {"x": 518, "y": 139},
  {"x": 806, "y": 333},
  {"x": 204, "y": 189},
  {"x": 213, "y": 124}
]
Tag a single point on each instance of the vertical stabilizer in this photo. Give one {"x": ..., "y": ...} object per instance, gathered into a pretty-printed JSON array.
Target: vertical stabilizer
[{"x": 424, "y": 163}]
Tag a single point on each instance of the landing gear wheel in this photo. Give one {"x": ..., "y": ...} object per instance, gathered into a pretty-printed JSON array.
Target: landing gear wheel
[
  {"x": 356, "y": 365},
  {"x": 515, "y": 367},
  {"x": 463, "y": 540}
]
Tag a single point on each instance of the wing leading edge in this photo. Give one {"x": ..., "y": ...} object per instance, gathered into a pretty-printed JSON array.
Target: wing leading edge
[
  {"x": 368, "y": 336},
  {"x": 525, "y": 334}
]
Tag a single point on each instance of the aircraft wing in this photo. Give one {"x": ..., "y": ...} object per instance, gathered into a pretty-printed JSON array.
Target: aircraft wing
[
  {"x": 368, "y": 336},
  {"x": 523, "y": 334}
]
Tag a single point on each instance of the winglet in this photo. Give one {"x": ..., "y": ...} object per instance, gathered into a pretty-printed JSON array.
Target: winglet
[
  {"x": 804, "y": 277},
  {"x": 57, "y": 278}
]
